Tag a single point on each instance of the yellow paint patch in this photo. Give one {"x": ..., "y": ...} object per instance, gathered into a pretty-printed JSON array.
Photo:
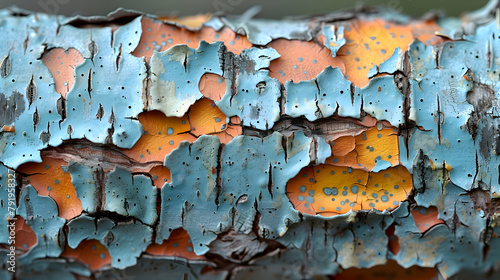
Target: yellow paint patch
[
  {"x": 369, "y": 43},
  {"x": 375, "y": 144},
  {"x": 329, "y": 190},
  {"x": 364, "y": 150}
]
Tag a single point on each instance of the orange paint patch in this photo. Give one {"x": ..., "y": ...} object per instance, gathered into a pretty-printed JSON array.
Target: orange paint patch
[
  {"x": 235, "y": 120},
  {"x": 229, "y": 133},
  {"x": 90, "y": 252},
  {"x": 375, "y": 144},
  {"x": 369, "y": 43},
  {"x": 387, "y": 188},
  {"x": 321, "y": 189},
  {"x": 178, "y": 245},
  {"x": 390, "y": 270},
  {"x": 7, "y": 128},
  {"x": 363, "y": 150},
  {"x": 161, "y": 175},
  {"x": 49, "y": 179},
  {"x": 61, "y": 64},
  {"x": 212, "y": 86},
  {"x": 301, "y": 60},
  {"x": 330, "y": 190},
  {"x": 161, "y": 36},
  {"x": 161, "y": 135},
  {"x": 370, "y": 121},
  {"x": 25, "y": 237},
  {"x": 207, "y": 119},
  {"x": 343, "y": 145},
  {"x": 425, "y": 218},
  {"x": 348, "y": 160}
]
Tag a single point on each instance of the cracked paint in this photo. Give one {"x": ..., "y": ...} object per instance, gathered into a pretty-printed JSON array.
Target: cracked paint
[{"x": 356, "y": 144}]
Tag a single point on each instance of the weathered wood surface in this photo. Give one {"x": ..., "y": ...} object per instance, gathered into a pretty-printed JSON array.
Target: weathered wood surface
[{"x": 357, "y": 144}]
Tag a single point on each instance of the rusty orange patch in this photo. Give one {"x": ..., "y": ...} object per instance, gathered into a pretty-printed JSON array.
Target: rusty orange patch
[
  {"x": 207, "y": 119},
  {"x": 25, "y": 237},
  {"x": 390, "y": 270},
  {"x": 425, "y": 218},
  {"x": 7, "y": 128},
  {"x": 178, "y": 245},
  {"x": 232, "y": 130},
  {"x": 393, "y": 244},
  {"x": 90, "y": 252},
  {"x": 163, "y": 134},
  {"x": 343, "y": 145}
]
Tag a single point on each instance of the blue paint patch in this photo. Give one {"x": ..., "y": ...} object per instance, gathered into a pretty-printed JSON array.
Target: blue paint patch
[
  {"x": 124, "y": 247},
  {"x": 334, "y": 38},
  {"x": 41, "y": 215},
  {"x": 131, "y": 195},
  {"x": 170, "y": 93},
  {"x": 335, "y": 191},
  {"x": 257, "y": 93}
]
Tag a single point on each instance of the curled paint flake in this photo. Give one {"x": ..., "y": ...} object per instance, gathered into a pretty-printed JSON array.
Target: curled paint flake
[{"x": 334, "y": 38}]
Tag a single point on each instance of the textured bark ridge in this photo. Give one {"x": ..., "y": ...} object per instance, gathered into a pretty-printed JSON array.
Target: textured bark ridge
[{"x": 360, "y": 144}]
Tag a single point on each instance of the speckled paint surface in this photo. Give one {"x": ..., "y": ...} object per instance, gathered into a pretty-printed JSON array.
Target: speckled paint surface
[{"x": 358, "y": 144}]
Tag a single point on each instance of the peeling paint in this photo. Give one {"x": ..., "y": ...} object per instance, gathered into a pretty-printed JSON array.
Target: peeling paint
[{"x": 359, "y": 144}]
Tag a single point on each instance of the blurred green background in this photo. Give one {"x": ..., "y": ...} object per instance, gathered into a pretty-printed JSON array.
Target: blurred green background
[{"x": 270, "y": 8}]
